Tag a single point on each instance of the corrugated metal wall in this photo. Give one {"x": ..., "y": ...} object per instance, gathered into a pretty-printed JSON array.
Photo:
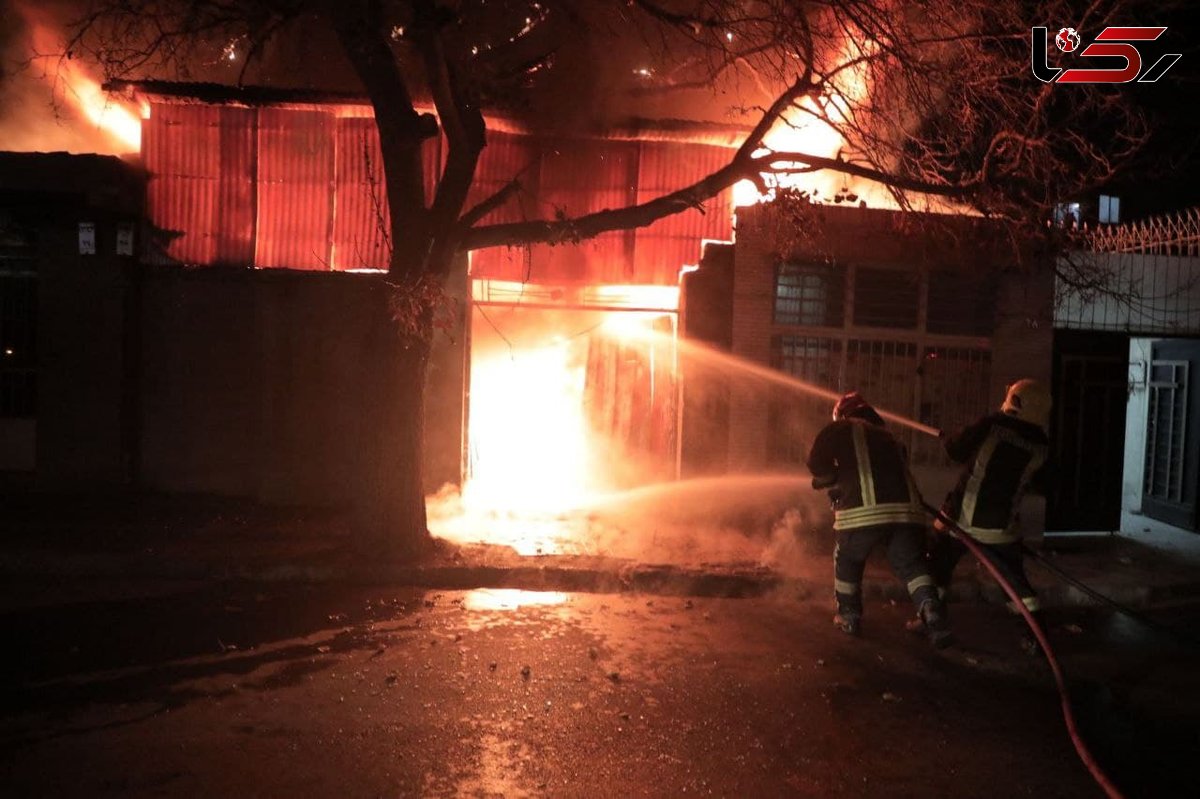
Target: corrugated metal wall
[
  {"x": 303, "y": 189},
  {"x": 295, "y": 189}
]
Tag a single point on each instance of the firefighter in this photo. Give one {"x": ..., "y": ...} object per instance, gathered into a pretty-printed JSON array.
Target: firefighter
[
  {"x": 875, "y": 503},
  {"x": 1003, "y": 456}
]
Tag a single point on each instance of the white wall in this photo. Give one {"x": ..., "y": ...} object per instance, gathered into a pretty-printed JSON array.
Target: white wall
[
  {"x": 1155, "y": 294},
  {"x": 1133, "y": 523}
]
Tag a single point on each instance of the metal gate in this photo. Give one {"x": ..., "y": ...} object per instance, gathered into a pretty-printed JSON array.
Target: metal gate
[
  {"x": 1172, "y": 457},
  {"x": 1087, "y": 437}
]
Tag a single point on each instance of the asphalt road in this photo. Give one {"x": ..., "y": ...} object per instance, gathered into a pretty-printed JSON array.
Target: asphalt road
[{"x": 243, "y": 690}]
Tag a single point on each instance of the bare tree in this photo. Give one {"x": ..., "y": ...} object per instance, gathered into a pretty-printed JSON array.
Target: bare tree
[{"x": 925, "y": 98}]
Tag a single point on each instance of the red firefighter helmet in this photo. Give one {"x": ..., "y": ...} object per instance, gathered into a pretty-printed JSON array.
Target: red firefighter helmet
[{"x": 853, "y": 406}]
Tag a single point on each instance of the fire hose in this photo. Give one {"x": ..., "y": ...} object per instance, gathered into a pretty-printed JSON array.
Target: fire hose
[{"x": 1081, "y": 749}]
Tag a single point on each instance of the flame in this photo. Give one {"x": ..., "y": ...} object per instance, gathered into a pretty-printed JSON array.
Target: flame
[
  {"x": 815, "y": 129},
  {"x": 118, "y": 122},
  {"x": 529, "y": 447},
  {"x": 539, "y": 447}
]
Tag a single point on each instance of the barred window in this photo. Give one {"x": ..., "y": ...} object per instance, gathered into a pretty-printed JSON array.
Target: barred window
[
  {"x": 882, "y": 371},
  {"x": 796, "y": 417},
  {"x": 954, "y": 384},
  {"x": 809, "y": 294},
  {"x": 886, "y": 298},
  {"x": 961, "y": 303},
  {"x": 809, "y": 358}
]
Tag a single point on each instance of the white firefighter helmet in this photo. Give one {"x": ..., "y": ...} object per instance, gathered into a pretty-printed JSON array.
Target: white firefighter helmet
[{"x": 1029, "y": 401}]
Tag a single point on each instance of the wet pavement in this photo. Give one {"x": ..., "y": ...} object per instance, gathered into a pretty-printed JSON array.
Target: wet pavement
[{"x": 190, "y": 689}]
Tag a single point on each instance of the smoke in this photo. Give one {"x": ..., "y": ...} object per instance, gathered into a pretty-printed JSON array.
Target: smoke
[
  {"x": 49, "y": 101},
  {"x": 770, "y": 520}
]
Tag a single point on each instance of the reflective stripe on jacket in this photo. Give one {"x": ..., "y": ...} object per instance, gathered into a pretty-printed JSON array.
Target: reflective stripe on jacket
[
  {"x": 866, "y": 470},
  {"x": 1003, "y": 457}
]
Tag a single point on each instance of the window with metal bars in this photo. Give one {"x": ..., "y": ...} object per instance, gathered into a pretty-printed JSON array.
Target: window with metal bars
[
  {"x": 886, "y": 298},
  {"x": 953, "y": 386},
  {"x": 1166, "y": 431},
  {"x": 961, "y": 303},
  {"x": 809, "y": 295},
  {"x": 794, "y": 417}
]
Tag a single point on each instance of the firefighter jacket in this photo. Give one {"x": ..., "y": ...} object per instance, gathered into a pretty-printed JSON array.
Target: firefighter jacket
[
  {"x": 1004, "y": 457},
  {"x": 866, "y": 470}
]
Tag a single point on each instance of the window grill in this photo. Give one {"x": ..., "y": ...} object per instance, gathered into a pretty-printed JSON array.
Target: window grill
[
  {"x": 809, "y": 295},
  {"x": 796, "y": 418},
  {"x": 954, "y": 383},
  {"x": 1166, "y": 430},
  {"x": 886, "y": 298}
]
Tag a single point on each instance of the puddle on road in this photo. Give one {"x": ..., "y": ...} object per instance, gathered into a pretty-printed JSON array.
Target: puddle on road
[{"x": 510, "y": 599}]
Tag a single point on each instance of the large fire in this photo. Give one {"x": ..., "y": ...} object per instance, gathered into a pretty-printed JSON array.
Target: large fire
[
  {"x": 814, "y": 128},
  {"x": 75, "y": 88},
  {"x": 564, "y": 408}
]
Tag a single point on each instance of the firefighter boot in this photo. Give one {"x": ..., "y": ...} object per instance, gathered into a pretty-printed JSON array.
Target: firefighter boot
[
  {"x": 933, "y": 619},
  {"x": 848, "y": 622}
]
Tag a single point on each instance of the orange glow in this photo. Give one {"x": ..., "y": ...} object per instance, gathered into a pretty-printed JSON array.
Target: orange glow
[
  {"x": 565, "y": 404},
  {"x": 510, "y": 599},
  {"x": 814, "y": 129},
  {"x": 529, "y": 449},
  {"x": 72, "y": 83}
]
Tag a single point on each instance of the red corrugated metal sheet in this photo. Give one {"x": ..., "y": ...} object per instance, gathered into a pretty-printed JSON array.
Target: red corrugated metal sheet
[
  {"x": 289, "y": 188},
  {"x": 662, "y": 248},
  {"x": 235, "y": 219},
  {"x": 295, "y": 188},
  {"x": 181, "y": 151},
  {"x": 579, "y": 178},
  {"x": 506, "y": 156},
  {"x": 201, "y": 161},
  {"x": 360, "y": 234}
]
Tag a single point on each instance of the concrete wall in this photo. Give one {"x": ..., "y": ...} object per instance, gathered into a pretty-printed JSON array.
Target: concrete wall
[
  {"x": 253, "y": 384},
  {"x": 1021, "y": 345},
  {"x": 1136, "y": 414},
  {"x": 82, "y": 413}
]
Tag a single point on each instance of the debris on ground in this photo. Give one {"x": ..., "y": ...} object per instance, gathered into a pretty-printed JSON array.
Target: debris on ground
[
  {"x": 888, "y": 696},
  {"x": 492, "y": 666},
  {"x": 615, "y": 676},
  {"x": 391, "y": 678},
  {"x": 525, "y": 671},
  {"x": 324, "y": 649},
  {"x": 337, "y": 618},
  {"x": 1073, "y": 629}
]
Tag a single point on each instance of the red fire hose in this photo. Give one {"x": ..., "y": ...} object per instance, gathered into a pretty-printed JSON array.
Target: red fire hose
[{"x": 1068, "y": 716}]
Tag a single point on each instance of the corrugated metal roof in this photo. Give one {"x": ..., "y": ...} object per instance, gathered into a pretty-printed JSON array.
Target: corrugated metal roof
[{"x": 303, "y": 189}]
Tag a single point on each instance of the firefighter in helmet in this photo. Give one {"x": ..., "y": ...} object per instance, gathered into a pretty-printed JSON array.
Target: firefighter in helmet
[
  {"x": 1003, "y": 456},
  {"x": 875, "y": 503}
]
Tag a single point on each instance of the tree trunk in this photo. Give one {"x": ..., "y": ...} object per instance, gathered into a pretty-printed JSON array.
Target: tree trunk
[{"x": 390, "y": 508}]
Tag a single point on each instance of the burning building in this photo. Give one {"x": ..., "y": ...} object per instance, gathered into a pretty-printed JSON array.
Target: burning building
[{"x": 234, "y": 363}]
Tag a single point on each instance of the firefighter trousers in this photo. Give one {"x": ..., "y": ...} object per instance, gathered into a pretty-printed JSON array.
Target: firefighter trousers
[
  {"x": 945, "y": 551},
  {"x": 905, "y": 553}
]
